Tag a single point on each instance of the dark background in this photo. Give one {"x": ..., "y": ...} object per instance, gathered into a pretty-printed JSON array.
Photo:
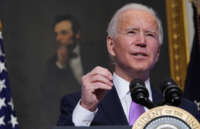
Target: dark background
[{"x": 29, "y": 41}]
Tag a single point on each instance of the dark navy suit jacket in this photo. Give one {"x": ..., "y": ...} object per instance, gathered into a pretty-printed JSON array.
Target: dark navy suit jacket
[{"x": 110, "y": 111}]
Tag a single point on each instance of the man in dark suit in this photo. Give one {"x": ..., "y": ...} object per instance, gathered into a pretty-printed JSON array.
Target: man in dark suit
[
  {"x": 134, "y": 38},
  {"x": 72, "y": 59}
]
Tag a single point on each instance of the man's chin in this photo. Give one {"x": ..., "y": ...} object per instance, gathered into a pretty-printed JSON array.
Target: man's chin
[
  {"x": 139, "y": 70},
  {"x": 66, "y": 44}
]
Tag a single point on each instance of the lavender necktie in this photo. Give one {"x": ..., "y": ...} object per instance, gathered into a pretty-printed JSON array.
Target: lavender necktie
[{"x": 135, "y": 111}]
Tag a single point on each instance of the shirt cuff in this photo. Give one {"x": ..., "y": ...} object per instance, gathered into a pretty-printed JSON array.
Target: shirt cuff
[{"x": 82, "y": 116}]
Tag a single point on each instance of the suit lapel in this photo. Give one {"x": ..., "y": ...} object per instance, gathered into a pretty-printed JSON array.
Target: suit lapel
[
  {"x": 112, "y": 108},
  {"x": 111, "y": 111}
]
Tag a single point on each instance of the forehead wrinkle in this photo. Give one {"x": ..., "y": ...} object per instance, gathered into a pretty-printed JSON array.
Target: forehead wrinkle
[{"x": 144, "y": 19}]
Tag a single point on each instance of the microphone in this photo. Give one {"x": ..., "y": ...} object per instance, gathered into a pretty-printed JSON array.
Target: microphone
[
  {"x": 171, "y": 92},
  {"x": 139, "y": 93}
]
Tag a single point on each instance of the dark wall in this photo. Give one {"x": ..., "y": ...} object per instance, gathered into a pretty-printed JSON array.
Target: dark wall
[{"x": 29, "y": 41}]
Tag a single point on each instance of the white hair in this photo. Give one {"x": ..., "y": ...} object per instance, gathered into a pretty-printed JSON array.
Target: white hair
[{"x": 112, "y": 26}]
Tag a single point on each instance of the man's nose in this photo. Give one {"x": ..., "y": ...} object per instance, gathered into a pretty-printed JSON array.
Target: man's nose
[
  {"x": 58, "y": 37},
  {"x": 141, "y": 42}
]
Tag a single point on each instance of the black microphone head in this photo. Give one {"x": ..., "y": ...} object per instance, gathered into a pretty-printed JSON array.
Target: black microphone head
[
  {"x": 139, "y": 93},
  {"x": 137, "y": 82},
  {"x": 171, "y": 92},
  {"x": 166, "y": 83}
]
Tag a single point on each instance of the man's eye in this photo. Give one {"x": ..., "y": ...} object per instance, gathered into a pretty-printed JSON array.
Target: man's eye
[
  {"x": 150, "y": 34},
  {"x": 63, "y": 32},
  {"x": 131, "y": 32}
]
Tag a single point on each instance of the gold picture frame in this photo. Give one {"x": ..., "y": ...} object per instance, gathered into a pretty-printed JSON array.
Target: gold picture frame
[{"x": 178, "y": 40}]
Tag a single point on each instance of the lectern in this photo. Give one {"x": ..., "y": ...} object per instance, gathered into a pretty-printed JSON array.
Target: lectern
[
  {"x": 162, "y": 117},
  {"x": 95, "y": 127}
]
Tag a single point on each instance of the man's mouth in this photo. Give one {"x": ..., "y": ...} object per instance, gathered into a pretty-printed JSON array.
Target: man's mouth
[{"x": 139, "y": 54}]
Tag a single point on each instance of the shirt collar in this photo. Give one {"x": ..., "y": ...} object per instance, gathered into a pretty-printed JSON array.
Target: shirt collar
[
  {"x": 77, "y": 49},
  {"x": 122, "y": 86}
]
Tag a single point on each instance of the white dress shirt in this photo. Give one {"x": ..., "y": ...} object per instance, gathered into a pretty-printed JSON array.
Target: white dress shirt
[
  {"x": 76, "y": 64},
  {"x": 83, "y": 117},
  {"x": 1, "y": 37}
]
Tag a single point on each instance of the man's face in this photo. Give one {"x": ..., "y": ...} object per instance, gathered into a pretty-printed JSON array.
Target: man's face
[
  {"x": 135, "y": 47},
  {"x": 64, "y": 33}
]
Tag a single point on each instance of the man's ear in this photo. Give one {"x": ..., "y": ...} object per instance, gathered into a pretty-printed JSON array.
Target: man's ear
[
  {"x": 77, "y": 35},
  {"x": 158, "y": 54},
  {"x": 110, "y": 45}
]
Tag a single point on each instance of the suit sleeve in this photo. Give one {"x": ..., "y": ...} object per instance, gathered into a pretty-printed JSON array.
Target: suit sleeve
[
  {"x": 67, "y": 106},
  {"x": 191, "y": 108},
  {"x": 196, "y": 113}
]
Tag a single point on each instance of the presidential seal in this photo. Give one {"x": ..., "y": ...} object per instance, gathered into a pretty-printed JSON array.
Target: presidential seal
[{"x": 166, "y": 117}]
